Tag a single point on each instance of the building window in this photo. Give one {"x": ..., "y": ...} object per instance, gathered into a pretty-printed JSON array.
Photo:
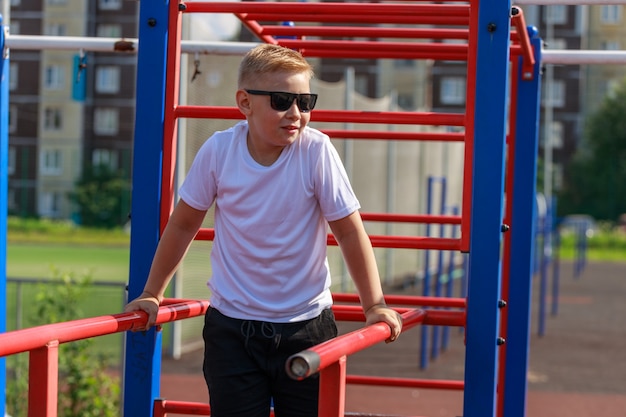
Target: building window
[
  {"x": 452, "y": 90},
  {"x": 106, "y": 121},
  {"x": 53, "y": 118},
  {"x": 54, "y": 77},
  {"x": 14, "y": 28},
  {"x": 13, "y": 76},
  {"x": 108, "y": 79},
  {"x": 12, "y": 118},
  {"x": 109, "y": 31},
  {"x": 55, "y": 29},
  {"x": 110, "y": 4},
  {"x": 406, "y": 101},
  {"x": 611, "y": 45},
  {"x": 51, "y": 162},
  {"x": 556, "y": 135},
  {"x": 104, "y": 157},
  {"x": 554, "y": 94},
  {"x": 49, "y": 203},
  {"x": 556, "y": 14},
  {"x": 611, "y": 14},
  {"x": 12, "y": 159},
  {"x": 404, "y": 63}
]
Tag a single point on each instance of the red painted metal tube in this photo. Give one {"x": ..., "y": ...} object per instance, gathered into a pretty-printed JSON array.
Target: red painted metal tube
[
  {"x": 343, "y": 46},
  {"x": 315, "y": 359},
  {"x": 393, "y": 135},
  {"x": 451, "y": 385},
  {"x": 337, "y": 116},
  {"x": 162, "y": 407},
  {"x": 433, "y": 317},
  {"x": 409, "y": 242},
  {"x": 378, "y": 241},
  {"x": 25, "y": 340},
  {"x": 518, "y": 21},
  {"x": 43, "y": 377},
  {"x": 172, "y": 88},
  {"x": 411, "y": 218},
  {"x": 377, "y": 52},
  {"x": 399, "y": 19},
  {"x": 351, "y": 31},
  {"x": 318, "y": 11},
  {"x": 407, "y": 300}
]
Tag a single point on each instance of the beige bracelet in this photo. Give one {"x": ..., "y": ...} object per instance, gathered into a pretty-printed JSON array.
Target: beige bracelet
[{"x": 373, "y": 306}]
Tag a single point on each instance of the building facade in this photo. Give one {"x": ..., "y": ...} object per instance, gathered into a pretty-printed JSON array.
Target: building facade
[{"x": 68, "y": 109}]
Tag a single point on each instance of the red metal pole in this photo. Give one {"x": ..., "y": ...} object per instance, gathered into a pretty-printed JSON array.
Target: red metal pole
[
  {"x": 406, "y": 382},
  {"x": 332, "y": 400},
  {"x": 406, "y": 300},
  {"x": 170, "y": 120},
  {"x": 43, "y": 380}
]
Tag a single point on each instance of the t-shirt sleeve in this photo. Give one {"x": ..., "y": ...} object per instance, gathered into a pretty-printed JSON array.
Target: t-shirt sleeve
[
  {"x": 199, "y": 186},
  {"x": 335, "y": 194}
]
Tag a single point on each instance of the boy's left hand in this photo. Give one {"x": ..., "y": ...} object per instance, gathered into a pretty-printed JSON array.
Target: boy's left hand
[{"x": 381, "y": 313}]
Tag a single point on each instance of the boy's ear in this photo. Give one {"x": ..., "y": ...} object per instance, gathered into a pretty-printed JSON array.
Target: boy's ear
[{"x": 243, "y": 102}]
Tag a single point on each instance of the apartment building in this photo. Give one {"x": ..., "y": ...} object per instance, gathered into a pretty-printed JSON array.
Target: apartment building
[
  {"x": 67, "y": 108},
  {"x": 563, "y": 87}
]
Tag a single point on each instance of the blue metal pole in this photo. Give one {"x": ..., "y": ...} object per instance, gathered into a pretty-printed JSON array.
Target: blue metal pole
[
  {"x": 434, "y": 352},
  {"x": 523, "y": 236},
  {"x": 142, "y": 367},
  {"x": 492, "y": 41},
  {"x": 426, "y": 284},
  {"x": 4, "y": 178},
  {"x": 451, "y": 277}
]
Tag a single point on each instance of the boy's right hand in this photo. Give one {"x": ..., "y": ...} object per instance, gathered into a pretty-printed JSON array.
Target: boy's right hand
[{"x": 149, "y": 304}]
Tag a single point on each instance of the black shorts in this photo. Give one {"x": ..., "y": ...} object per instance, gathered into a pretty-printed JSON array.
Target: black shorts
[{"x": 244, "y": 365}]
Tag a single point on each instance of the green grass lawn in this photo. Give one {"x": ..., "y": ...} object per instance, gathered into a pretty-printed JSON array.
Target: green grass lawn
[{"x": 37, "y": 260}]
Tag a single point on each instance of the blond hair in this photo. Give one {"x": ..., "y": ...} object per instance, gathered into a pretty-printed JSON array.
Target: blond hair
[{"x": 269, "y": 58}]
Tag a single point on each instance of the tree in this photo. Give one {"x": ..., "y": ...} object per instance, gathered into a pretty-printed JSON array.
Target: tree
[
  {"x": 597, "y": 175},
  {"x": 102, "y": 197}
]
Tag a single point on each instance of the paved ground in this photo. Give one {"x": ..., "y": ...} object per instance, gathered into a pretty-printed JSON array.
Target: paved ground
[{"x": 577, "y": 369}]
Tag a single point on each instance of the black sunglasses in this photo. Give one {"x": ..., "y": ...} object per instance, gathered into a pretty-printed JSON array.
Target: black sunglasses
[{"x": 281, "y": 101}]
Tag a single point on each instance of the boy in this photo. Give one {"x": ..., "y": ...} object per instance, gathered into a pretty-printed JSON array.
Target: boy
[{"x": 276, "y": 184}]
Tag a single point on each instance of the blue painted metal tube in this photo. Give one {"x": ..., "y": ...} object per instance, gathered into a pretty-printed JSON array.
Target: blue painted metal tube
[
  {"x": 4, "y": 178},
  {"x": 423, "y": 354},
  {"x": 490, "y": 21},
  {"x": 434, "y": 352},
  {"x": 522, "y": 231},
  {"x": 445, "y": 337},
  {"x": 142, "y": 366}
]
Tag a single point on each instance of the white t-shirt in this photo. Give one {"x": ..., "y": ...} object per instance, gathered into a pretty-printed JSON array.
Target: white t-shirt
[{"x": 269, "y": 253}]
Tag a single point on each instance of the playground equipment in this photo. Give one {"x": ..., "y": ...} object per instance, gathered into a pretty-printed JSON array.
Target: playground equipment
[
  {"x": 497, "y": 42},
  {"x": 490, "y": 45}
]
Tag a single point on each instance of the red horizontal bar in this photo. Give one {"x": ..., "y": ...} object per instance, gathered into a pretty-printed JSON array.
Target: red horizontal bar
[
  {"x": 318, "y": 10},
  {"x": 166, "y": 406},
  {"x": 377, "y": 53},
  {"x": 390, "y": 19},
  {"x": 408, "y": 300},
  {"x": 365, "y": 32},
  {"x": 431, "y": 48},
  {"x": 433, "y": 317},
  {"x": 409, "y": 242},
  {"x": 411, "y": 218},
  {"x": 394, "y": 135},
  {"x": 325, "y": 354},
  {"x": 406, "y": 382},
  {"x": 24, "y": 340},
  {"x": 379, "y": 241},
  {"x": 337, "y": 116}
]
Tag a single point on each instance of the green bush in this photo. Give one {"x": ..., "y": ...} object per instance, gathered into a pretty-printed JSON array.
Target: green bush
[{"x": 86, "y": 387}]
